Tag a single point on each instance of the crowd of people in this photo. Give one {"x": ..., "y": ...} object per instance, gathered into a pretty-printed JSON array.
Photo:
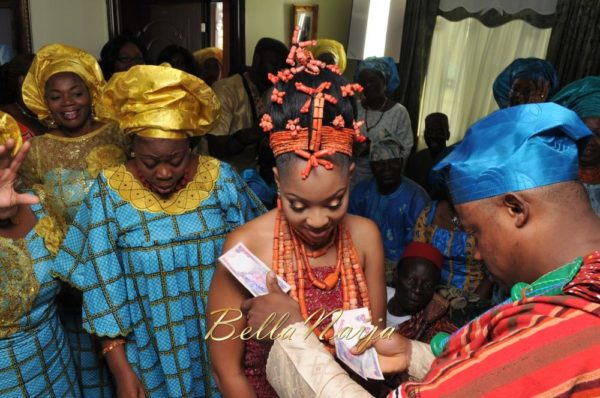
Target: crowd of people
[{"x": 122, "y": 183}]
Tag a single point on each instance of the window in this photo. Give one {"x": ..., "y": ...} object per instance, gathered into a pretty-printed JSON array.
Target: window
[{"x": 466, "y": 57}]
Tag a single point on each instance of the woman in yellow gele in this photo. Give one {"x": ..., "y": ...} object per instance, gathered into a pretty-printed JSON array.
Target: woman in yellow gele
[
  {"x": 144, "y": 244},
  {"x": 62, "y": 88}
]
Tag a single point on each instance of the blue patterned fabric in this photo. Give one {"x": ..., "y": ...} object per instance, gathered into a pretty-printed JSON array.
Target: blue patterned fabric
[
  {"x": 514, "y": 149},
  {"x": 395, "y": 214},
  {"x": 145, "y": 275},
  {"x": 460, "y": 269},
  {"x": 35, "y": 359},
  {"x": 66, "y": 167},
  {"x": 265, "y": 192},
  {"x": 529, "y": 68}
]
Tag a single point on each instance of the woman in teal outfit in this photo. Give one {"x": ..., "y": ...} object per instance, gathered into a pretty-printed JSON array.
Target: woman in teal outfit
[
  {"x": 144, "y": 244},
  {"x": 62, "y": 87},
  {"x": 35, "y": 359}
]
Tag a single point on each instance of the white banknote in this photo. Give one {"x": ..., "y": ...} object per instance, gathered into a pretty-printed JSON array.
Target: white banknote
[
  {"x": 249, "y": 270},
  {"x": 348, "y": 329}
]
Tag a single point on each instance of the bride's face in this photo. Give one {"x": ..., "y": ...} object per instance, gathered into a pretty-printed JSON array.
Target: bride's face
[{"x": 315, "y": 205}]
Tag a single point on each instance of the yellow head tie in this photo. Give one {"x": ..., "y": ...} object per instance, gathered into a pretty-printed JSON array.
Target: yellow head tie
[
  {"x": 209, "y": 52},
  {"x": 160, "y": 102},
  {"x": 158, "y": 133},
  {"x": 333, "y": 47},
  {"x": 9, "y": 128},
  {"x": 53, "y": 59}
]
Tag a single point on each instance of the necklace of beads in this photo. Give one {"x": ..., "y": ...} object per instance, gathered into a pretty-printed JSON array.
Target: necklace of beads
[
  {"x": 369, "y": 128},
  {"x": 289, "y": 250}
]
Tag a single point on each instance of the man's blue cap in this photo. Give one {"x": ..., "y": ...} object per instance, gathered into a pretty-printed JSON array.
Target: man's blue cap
[{"x": 514, "y": 149}]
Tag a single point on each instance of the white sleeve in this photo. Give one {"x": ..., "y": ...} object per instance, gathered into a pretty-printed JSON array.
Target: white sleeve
[{"x": 302, "y": 367}]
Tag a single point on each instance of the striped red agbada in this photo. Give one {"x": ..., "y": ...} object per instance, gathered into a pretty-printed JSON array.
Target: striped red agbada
[{"x": 541, "y": 346}]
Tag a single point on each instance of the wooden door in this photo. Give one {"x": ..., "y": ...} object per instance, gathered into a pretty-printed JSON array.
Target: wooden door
[{"x": 186, "y": 23}]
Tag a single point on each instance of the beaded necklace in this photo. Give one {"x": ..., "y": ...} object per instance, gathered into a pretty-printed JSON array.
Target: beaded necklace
[
  {"x": 369, "y": 128},
  {"x": 289, "y": 250}
]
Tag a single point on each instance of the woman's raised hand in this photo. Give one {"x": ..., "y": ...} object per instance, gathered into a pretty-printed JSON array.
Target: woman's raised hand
[{"x": 9, "y": 166}]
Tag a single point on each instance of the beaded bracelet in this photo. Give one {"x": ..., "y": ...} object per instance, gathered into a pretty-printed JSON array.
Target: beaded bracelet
[{"x": 111, "y": 346}]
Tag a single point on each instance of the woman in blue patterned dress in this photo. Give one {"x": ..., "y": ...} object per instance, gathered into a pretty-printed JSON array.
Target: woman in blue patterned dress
[
  {"x": 35, "y": 359},
  {"x": 144, "y": 244},
  {"x": 61, "y": 87}
]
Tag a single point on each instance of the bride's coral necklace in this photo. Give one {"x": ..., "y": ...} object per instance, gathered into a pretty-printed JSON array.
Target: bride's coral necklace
[{"x": 288, "y": 250}]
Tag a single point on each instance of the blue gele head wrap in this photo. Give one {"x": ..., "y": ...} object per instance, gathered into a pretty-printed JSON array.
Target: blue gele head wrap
[
  {"x": 514, "y": 149},
  {"x": 582, "y": 97},
  {"x": 530, "y": 68},
  {"x": 386, "y": 66}
]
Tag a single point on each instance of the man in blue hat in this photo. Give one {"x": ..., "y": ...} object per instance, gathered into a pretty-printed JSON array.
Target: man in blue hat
[{"x": 513, "y": 180}]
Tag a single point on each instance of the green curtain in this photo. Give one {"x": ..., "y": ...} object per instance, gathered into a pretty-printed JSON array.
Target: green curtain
[
  {"x": 419, "y": 22},
  {"x": 575, "y": 40}
]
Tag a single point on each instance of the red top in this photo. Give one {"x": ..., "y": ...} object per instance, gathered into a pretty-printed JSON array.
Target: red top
[{"x": 255, "y": 357}]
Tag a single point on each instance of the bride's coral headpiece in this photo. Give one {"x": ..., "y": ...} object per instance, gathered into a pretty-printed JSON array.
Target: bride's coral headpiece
[{"x": 319, "y": 141}]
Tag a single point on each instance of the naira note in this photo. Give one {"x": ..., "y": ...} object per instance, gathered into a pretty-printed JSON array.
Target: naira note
[
  {"x": 348, "y": 329},
  {"x": 249, "y": 270}
]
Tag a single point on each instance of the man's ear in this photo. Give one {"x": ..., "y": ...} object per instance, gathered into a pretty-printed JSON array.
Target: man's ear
[{"x": 517, "y": 207}]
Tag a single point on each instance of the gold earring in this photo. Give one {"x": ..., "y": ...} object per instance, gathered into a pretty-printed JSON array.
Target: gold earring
[
  {"x": 93, "y": 113},
  {"x": 51, "y": 123}
]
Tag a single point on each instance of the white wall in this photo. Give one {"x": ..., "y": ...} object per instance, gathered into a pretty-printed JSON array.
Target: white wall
[{"x": 79, "y": 23}]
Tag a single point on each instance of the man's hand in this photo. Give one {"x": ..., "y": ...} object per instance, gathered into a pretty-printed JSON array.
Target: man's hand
[
  {"x": 393, "y": 353},
  {"x": 258, "y": 309}
]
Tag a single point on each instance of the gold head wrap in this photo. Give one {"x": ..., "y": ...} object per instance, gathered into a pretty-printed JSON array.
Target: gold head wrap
[
  {"x": 334, "y": 47},
  {"x": 57, "y": 58},
  {"x": 159, "y": 102},
  {"x": 209, "y": 52},
  {"x": 9, "y": 128}
]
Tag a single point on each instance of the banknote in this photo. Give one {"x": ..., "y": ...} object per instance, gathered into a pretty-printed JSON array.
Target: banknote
[
  {"x": 249, "y": 270},
  {"x": 348, "y": 329}
]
